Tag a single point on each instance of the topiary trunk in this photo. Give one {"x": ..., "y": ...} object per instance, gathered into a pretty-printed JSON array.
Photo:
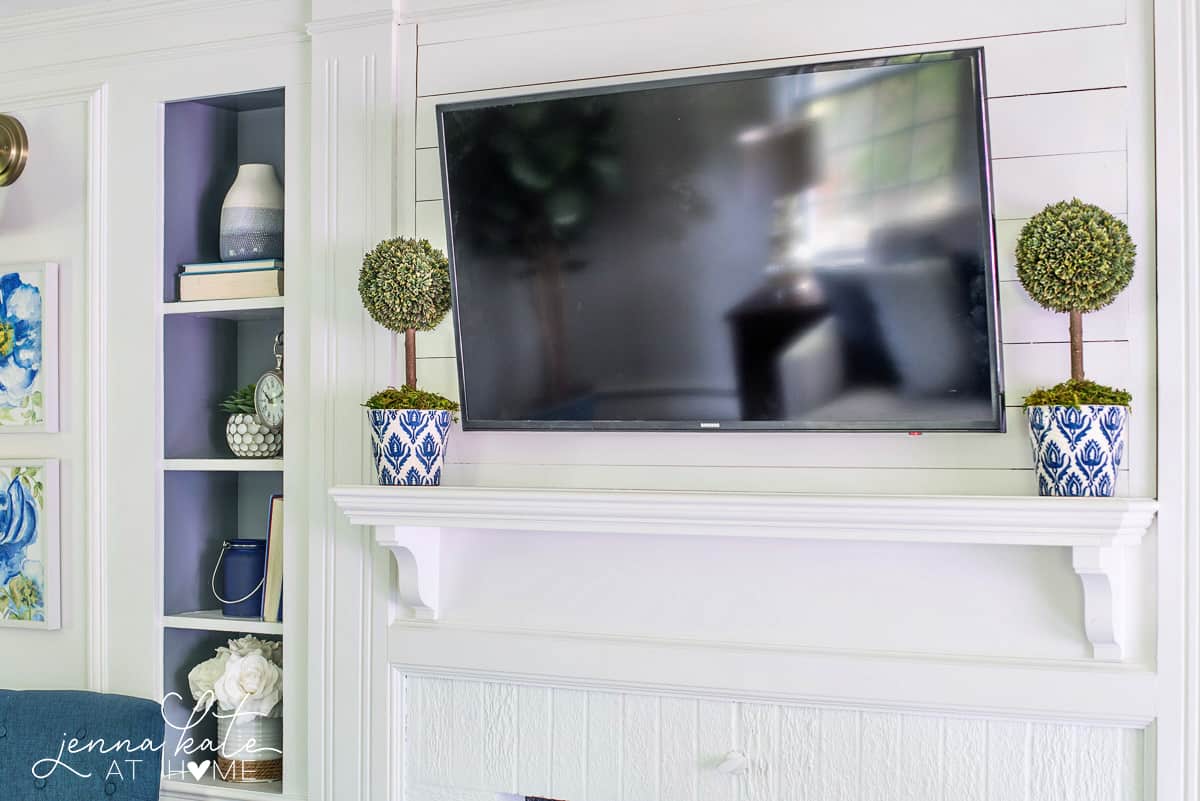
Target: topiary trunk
[
  {"x": 1076, "y": 346},
  {"x": 410, "y": 357}
]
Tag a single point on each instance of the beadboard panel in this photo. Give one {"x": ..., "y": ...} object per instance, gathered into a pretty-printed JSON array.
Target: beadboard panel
[
  {"x": 1054, "y": 61},
  {"x": 608, "y": 746},
  {"x": 881, "y": 480},
  {"x": 1065, "y": 127},
  {"x": 1086, "y": 118},
  {"x": 1023, "y": 320},
  {"x": 1022, "y": 187},
  {"x": 429, "y": 174},
  {"x": 1070, "y": 122},
  {"x": 1028, "y": 366},
  {"x": 778, "y": 450},
  {"x": 549, "y": 15},
  {"x": 1023, "y": 183}
]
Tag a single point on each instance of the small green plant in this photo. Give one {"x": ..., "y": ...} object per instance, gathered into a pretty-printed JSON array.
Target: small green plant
[
  {"x": 1079, "y": 393},
  {"x": 240, "y": 402},
  {"x": 408, "y": 397},
  {"x": 405, "y": 287},
  {"x": 1075, "y": 257}
]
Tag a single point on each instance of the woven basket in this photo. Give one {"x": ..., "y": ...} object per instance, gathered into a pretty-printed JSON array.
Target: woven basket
[{"x": 243, "y": 771}]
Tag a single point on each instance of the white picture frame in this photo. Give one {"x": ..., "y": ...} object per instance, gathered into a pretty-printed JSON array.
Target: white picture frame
[
  {"x": 40, "y": 555},
  {"x": 37, "y": 410}
]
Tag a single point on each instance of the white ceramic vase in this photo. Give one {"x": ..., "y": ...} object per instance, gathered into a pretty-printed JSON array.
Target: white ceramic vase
[
  {"x": 248, "y": 436},
  {"x": 252, "y": 216}
]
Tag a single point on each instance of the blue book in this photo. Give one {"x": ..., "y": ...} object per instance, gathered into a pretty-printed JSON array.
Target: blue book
[{"x": 230, "y": 266}]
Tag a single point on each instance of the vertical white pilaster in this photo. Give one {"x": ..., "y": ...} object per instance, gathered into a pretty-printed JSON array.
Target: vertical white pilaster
[{"x": 354, "y": 169}]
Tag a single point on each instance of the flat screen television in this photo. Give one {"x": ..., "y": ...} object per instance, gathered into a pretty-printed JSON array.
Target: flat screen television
[{"x": 802, "y": 248}]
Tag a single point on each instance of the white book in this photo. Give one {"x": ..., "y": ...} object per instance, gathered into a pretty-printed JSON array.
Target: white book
[{"x": 266, "y": 283}]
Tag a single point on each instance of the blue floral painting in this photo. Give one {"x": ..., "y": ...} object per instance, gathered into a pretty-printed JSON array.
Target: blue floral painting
[
  {"x": 26, "y": 347},
  {"x": 28, "y": 548}
]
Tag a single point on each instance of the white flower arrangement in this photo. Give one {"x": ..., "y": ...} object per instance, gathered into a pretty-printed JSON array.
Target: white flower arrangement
[{"x": 244, "y": 679}]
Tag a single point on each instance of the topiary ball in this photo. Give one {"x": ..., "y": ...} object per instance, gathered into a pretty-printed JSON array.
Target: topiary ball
[
  {"x": 1073, "y": 256},
  {"x": 405, "y": 283}
]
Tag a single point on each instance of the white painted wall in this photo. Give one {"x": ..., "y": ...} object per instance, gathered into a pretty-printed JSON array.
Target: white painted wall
[{"x": 43, "y": 217}]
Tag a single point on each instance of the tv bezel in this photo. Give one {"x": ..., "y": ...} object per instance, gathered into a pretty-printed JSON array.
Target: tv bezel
[{"x": 996, "y": 424}]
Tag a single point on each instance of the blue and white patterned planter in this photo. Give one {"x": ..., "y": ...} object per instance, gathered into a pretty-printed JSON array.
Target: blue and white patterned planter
[
  {"x": 409, "y": 445},
  {"x": 1076, "y": 451}
]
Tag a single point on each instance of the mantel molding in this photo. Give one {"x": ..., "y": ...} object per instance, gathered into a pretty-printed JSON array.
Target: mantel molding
[
  {"x": 977, "y": 520},
  {"x": 410, "y": 521}
]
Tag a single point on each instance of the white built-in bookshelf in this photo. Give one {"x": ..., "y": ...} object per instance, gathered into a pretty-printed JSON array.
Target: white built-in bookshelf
[{"x": 205, "y": 494}]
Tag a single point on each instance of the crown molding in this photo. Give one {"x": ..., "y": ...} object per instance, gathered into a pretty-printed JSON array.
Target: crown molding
[
  {"x": 410, "y": 11},
  {"x": 107, "y": 14},
  {"x": 349, "y": 23},
  {"x": 147, "y": 56}
]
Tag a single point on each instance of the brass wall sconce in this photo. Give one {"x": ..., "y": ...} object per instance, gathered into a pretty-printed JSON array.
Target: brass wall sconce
[{"x": 14, "y": 149}]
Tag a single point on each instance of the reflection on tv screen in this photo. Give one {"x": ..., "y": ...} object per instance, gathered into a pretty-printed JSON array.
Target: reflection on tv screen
[{"x": 803, "y": 248}]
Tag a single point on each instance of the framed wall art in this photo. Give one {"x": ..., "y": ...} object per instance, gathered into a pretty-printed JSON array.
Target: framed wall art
[
  {"x": 28, "y": 347},
  {"x": 30, "y": 587}
]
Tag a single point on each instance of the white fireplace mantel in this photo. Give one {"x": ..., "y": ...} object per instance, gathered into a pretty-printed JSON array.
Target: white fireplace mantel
[{"x": 410, "y": 521}]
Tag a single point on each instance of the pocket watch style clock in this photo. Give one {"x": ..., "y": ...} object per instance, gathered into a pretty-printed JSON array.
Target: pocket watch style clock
[{"x": 268, "y": 392}]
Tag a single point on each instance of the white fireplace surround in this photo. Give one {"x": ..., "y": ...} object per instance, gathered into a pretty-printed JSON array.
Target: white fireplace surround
[{"x": 481, "y": 713}]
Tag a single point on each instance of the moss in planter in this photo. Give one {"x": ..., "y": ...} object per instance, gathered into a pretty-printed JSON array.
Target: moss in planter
[
  {"x": 1079, "y": 393},
  {"x": 407, "y": 397}
]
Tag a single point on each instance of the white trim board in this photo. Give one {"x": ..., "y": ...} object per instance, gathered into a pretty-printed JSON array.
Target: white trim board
[
  {"x": 1080, "y": 693},
  {"x": 1066, "y": 522}
]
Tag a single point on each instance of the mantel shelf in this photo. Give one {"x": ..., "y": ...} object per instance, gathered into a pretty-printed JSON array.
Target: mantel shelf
[{"x": 409, "y": 521}]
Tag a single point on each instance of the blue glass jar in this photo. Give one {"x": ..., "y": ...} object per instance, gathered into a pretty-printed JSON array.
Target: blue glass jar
[{"x": 242, "y": 579}]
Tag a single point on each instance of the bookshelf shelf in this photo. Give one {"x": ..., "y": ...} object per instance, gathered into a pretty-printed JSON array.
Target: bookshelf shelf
[
  {"x": 229, "y": 465},
  {"x": 241, "y": 309},
  {"x": 213, "y": 620},
  {"x": 214, "y": 788}
]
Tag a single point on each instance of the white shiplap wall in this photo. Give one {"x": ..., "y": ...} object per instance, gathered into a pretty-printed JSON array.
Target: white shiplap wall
[
  {"x": 1069, "y": 92},
  {"x": 1070, "y": 102},
  {"x": 470, "y": 740}
]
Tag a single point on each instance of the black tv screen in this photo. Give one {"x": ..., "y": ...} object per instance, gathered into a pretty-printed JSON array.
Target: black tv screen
[{"x": 803, "y": 248}]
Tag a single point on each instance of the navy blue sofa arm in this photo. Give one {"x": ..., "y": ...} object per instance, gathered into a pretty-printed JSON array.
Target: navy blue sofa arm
[{"x": 79, "y": 746}]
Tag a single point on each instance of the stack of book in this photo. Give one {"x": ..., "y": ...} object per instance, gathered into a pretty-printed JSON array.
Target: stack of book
[{"x": 228, "y": 280}]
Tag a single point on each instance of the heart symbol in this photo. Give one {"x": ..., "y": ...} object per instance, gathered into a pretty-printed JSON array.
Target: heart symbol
[{"x": 198, "y": 770}]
